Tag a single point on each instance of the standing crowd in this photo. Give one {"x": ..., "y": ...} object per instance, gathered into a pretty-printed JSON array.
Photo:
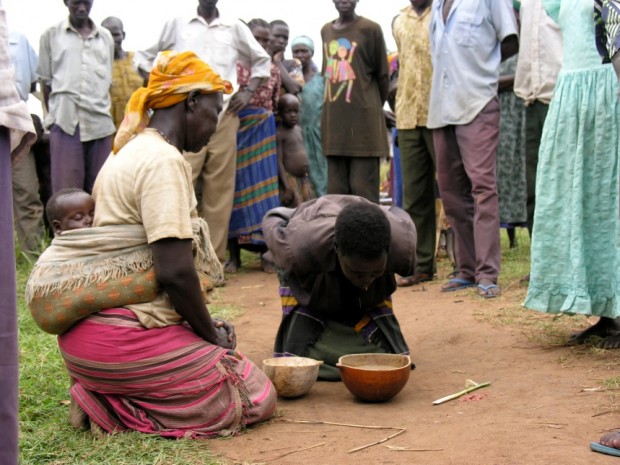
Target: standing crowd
[{"x": 211, "y": 141}]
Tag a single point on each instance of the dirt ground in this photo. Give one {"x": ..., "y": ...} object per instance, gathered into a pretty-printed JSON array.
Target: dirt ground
[{"x": 544, "y": 405}]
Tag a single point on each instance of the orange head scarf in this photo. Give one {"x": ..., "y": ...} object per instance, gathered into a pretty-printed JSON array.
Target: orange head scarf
[{"x": 174, "y": 75}]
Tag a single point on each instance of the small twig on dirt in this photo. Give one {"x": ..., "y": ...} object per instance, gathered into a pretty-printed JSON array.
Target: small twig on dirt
[
  {"x": 319, "y": 422},
  {"x": 409, "y": 449},
  {"x": 253, "y": 287},
  {"x": 553, "y": 425},
  {"x": 610, "y": 429},
  {"x": 349, "y": 425},
  {"x": 591, "y": 389},
  {"x": 603, "y": 413},
  {"x": 305, "y": 431},
  {"x": 295, "y": 451},
  {"x": 357, "y": 449}
]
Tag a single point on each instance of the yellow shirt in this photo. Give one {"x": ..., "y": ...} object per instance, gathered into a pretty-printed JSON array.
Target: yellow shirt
[
  {"x": 412, "y": 36},
  {"x": 125, "y": 80}
]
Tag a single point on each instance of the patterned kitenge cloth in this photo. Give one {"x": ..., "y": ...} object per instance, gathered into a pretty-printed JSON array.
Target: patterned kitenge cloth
[
  {"x": 511, "y": 181},
  {"x": 256, "y": 177}
]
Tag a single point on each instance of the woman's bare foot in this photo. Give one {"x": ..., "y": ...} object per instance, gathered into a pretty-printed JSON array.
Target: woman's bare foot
[
  {"x": 234, "y": 257},
  {"x": 610, "y": 342},
  {"x": 267, "y": 266},
  {"x": 77, "y": 416},
  {"x": 97, "y": 430},
  {"x": 231, "y": 266},
  {"x": 604, "y": 327},
  {"x": 611, "y": 440}
]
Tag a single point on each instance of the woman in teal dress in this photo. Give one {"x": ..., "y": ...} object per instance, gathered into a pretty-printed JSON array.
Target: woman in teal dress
[
  {"x": 576, "y": 238},
  {"x": 311, "y": 108}
]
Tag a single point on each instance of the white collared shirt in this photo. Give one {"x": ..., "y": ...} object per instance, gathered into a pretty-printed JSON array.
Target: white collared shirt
[
  {"x": 221, "y": 44},
  {"x": 540, "y": 54}
]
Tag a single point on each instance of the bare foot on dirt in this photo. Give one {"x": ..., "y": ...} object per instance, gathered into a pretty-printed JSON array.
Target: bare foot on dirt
[
  {"x": 231, "y": 266},
  {"x": 267, "y": 266},
  {"x": 611, "y": 440},
  {"x": 604, "y": 327}
]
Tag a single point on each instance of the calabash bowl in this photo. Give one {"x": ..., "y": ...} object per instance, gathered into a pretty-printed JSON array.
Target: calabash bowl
[
  {"x": 374, "y": 377},
  {"x": 292, "y": 376}
]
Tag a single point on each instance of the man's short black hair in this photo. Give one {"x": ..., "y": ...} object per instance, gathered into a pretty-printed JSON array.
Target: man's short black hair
[
  {"x": 52, "y": 207},
  {"x": 277, "y": 22},
  {"x": 363, "y": 230},
  {"x": 258, "y": 22}
]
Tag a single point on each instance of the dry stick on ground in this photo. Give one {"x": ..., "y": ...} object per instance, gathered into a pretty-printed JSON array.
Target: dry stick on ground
[
  {"x": 348, "y": 425},
  {"x": 410, "y": 449},
  {"x": 295, "y": 452},
  {"x": 357, "y": 449}
]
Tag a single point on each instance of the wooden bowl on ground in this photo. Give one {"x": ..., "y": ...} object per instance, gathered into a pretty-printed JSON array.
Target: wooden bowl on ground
[
  {"x": 292, "y": 376},
  {"x": 374, "y": 377}
]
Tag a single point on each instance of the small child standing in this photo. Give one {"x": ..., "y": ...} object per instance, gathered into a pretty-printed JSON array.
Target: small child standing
[
  {"x": 70, "y": 209},
  {"x": 295, "y": 187}
]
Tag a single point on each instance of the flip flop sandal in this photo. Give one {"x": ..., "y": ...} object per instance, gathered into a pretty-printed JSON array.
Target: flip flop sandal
[
  {"x": 483, "y": 291},
  {"x": 598, "y": 447},
  {"x": 457, "y": 285}
]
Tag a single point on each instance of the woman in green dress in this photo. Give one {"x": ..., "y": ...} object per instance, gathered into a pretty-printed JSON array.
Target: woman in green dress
[{"x": 576, "y": 237}]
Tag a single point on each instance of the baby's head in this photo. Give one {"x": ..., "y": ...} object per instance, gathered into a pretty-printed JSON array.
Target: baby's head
[
  {"x": 70, "y": 209},
  {"x": 288, "y": 109}
]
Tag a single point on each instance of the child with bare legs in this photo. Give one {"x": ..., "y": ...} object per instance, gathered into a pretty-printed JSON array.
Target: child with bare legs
[{"x": 295, "y": 187}]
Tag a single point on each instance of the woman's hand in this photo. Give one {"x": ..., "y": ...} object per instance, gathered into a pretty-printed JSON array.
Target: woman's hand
[
  {"x": 226, "y": 336},
  {"x": 239, "y": 101}
]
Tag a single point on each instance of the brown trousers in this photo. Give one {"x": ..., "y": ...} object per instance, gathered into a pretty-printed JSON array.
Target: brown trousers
[{"x": 466, "y": 156}]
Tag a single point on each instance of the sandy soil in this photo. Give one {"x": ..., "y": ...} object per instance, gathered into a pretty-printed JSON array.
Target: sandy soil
[{"x": 543, "y": 406}]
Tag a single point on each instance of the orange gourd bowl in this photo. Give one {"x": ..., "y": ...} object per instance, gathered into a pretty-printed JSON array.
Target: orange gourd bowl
[{"x": 374, "y": 377}]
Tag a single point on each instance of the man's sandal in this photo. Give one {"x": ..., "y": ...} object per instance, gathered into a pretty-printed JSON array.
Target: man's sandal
[{"x": 456, "y": 284}]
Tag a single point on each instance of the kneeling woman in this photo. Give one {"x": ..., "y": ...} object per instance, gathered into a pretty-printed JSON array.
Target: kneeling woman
[
  {"x": 142, "y": 369},
  {"x": 338, "y": 255}
]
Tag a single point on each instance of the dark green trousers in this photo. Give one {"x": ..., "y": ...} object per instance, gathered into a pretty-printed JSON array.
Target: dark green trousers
[
  {"x": 535, "y": 115},
  {"x": 417, "y": 159}
]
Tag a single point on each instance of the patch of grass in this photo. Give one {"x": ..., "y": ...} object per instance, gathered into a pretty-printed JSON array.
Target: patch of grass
[
  {"x": 546, "y": 330},
  {"x": 45, "y": 435},
  {"x": 612, "y": 383},
  {"x": 217, "y": 307}
]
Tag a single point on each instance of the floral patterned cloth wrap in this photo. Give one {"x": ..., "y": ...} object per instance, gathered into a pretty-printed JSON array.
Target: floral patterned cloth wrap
[{"x": 91, "y": 269}]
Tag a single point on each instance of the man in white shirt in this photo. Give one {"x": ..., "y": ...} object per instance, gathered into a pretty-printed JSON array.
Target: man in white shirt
[
  {"x": 469, "y": 38},
  {"x": 221, "y": 42}
]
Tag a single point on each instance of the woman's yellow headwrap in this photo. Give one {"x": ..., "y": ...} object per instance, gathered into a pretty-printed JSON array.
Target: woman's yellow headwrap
[{"x": 174, "y": 75}]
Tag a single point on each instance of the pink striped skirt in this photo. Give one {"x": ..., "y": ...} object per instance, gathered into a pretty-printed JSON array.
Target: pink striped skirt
[{"x": 166, "y": 381}]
